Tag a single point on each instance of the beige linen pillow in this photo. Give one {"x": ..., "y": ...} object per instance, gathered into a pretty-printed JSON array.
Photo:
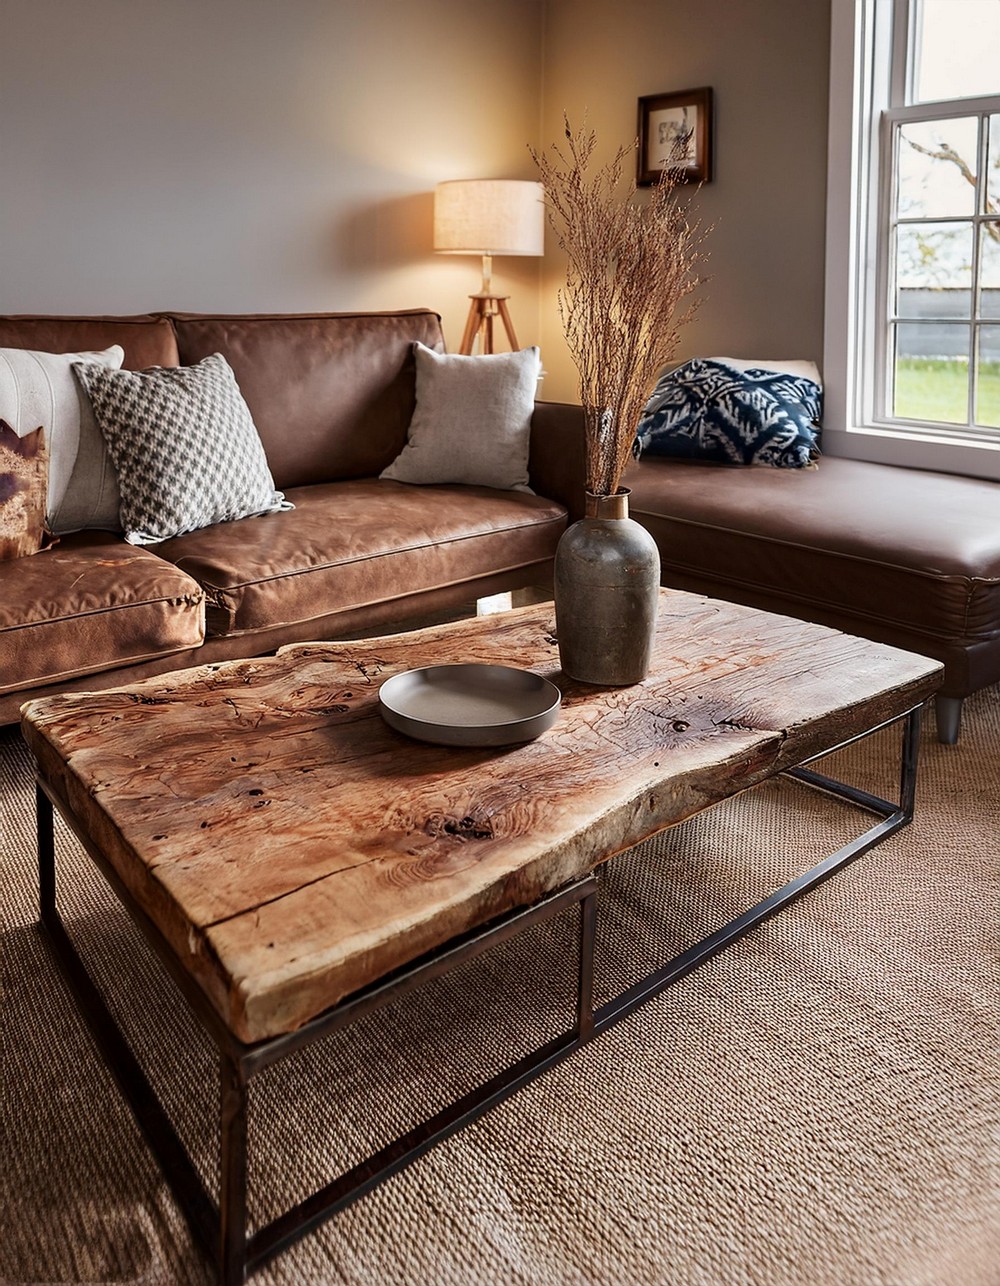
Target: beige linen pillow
[
  {"x": 40, "y": 388},
  {"x": 472, "y": 420}
]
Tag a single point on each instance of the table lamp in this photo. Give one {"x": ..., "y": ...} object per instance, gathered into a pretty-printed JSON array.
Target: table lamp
[{"x": 488, "y": 217}]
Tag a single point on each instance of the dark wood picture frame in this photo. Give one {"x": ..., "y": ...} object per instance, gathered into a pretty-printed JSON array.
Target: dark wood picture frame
[{"x": 675, "y": 127}]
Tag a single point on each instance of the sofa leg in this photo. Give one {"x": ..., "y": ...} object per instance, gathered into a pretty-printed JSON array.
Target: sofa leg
[{"x": 948, "y": 711}]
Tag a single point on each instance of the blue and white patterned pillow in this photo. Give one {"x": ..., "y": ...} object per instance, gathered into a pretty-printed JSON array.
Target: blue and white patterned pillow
[{"x": 707, "y": 410}]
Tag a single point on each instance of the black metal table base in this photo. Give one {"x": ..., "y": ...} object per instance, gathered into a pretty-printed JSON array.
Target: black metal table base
[{"x": 220, "y": 1227}]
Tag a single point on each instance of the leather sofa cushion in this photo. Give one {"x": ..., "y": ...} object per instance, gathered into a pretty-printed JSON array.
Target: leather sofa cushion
[
  {"x": 900, "y": 548},
  {"x": 347, "y": 544},
  {"x": 92, "y": 603},
  {"x": 331, "y": 395},
  {"x": 147, "y": 340}
]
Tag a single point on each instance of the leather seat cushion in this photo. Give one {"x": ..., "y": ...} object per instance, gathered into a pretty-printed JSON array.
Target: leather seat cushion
[
  {"x": 901, "y": 548},
  {"x": 347, "y": 544},
  {"x": 92, "y": 603}
]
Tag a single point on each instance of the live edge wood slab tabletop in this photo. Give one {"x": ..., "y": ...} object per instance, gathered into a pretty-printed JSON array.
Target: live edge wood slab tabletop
[{"x": 293, "y": 848}]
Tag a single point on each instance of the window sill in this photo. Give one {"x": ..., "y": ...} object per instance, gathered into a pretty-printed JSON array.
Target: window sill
[{"x": 914, "y": 449}]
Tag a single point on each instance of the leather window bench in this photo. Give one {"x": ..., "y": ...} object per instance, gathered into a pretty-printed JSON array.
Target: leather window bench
[{"x": 902, "y": 556}]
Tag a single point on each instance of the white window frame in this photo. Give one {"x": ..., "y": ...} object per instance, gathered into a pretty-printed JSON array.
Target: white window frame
[{"x": 860, "y": 45}]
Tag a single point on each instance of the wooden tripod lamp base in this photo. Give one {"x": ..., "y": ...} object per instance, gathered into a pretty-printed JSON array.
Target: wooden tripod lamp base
[{"x": 482, "y": 310}]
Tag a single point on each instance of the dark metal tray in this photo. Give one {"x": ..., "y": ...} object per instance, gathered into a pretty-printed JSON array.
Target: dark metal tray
[{"x": 469, "y": 705}]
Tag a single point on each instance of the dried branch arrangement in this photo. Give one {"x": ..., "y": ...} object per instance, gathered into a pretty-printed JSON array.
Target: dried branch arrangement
[{"x": 629, "y": 268}]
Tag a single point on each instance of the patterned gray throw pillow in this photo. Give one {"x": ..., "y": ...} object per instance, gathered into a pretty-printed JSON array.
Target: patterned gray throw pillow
[{"x": 184, "y": 446}]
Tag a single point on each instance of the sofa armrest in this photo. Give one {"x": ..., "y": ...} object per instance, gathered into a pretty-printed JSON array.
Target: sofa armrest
[{"x": 556, "y": 463}]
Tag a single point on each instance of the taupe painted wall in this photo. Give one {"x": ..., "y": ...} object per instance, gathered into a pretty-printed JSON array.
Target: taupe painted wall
[
  {"x": 766, "y": 60},
  {"x": 250, "y": 155}
]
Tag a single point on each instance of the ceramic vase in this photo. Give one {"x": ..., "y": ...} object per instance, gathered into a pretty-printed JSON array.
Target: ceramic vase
[{"x": 607, "y": 582}]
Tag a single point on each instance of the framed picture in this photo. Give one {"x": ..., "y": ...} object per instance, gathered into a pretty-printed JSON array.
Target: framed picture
[{"x": 675, "y": 133}]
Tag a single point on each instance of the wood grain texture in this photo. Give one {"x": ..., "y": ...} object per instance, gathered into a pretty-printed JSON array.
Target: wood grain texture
[{"x": 292, "y": 847}]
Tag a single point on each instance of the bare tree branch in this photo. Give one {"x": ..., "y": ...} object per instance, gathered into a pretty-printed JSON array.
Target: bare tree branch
[{"x": 944, "y": 152}]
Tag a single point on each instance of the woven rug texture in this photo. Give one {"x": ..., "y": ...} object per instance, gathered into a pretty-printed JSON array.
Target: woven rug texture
[{"x": 818, "y": 1106}]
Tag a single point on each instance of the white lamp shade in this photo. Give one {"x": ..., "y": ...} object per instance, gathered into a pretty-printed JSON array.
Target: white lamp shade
[{"x": 489, "y": 217}]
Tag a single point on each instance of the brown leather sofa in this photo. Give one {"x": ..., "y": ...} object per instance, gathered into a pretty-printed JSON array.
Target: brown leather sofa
[
  {"x": 332, "y": 396},
  {"x": 902, "y": 556}
]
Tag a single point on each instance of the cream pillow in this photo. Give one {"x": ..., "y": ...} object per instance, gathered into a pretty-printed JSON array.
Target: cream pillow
[
  {"x": 40, "y": 388},
  {"x": 790, "y": 366},
  {"x": 472, "y": 420}
]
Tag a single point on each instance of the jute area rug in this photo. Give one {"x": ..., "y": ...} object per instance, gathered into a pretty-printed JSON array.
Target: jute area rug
[{"x": 820, "y": 1106}]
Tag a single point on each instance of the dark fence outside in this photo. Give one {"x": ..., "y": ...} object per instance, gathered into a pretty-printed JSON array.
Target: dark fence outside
[{"x": 939, "y": 336}]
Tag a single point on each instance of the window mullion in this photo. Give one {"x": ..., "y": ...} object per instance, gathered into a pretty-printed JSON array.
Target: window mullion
[
  {"x": 943, "y": 111},
  {"x": 884, "y": 306},
  {"x": 982, "y": 182},
  {"x": 902, "y": 69}
]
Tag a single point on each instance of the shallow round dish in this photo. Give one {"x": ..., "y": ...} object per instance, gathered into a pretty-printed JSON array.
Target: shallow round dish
[{"x": 469, "y": 705}]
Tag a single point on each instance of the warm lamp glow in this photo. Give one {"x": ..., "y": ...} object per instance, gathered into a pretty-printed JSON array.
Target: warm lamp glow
[{"x": 489, "y": 217}]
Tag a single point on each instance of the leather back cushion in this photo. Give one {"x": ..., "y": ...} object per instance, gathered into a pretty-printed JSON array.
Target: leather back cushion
[
  {"x": 331, "y": 394},
  {"x": 147, "y": 340}
]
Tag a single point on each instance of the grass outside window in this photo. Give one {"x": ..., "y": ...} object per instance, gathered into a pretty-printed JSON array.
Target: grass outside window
[{"x": 937, "y": 389}]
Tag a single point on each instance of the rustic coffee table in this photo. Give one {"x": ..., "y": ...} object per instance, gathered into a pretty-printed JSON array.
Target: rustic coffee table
[{"x": 296, "y": 863}]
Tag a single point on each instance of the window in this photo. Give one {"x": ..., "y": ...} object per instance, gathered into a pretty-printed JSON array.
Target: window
[{"x": 913, "y": 274}]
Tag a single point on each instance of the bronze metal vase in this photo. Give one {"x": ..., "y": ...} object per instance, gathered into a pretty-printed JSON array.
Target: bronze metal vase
[{"x": 607, "y": 581}]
